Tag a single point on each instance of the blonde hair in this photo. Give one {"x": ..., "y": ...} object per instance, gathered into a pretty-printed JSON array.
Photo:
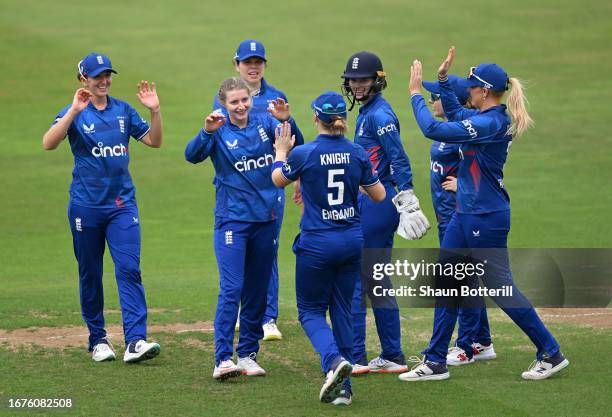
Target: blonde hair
[
  {"x": 336, "y": 127},
  {"x": 230, "y": 84},
  {"x": 517, "y": 107}
]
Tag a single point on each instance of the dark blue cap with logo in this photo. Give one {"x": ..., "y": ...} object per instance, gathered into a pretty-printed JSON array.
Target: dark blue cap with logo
[
  {"x": 95, "y": 64},
  {"x": 459, "y": 85},
  {"x": 250, "y": 48},
  {"x": 329, "y": 105},
  {"x": 490, "y": 76}
]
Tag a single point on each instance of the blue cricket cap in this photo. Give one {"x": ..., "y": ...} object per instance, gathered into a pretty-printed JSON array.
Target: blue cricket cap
[
  {"x": 490, "y": 76},
  {"x": 328, "y": 105},
  {"x": 95, "y": 64},
  {"x": 459, "y": 85},
  {"x": 250, "y": 48}
]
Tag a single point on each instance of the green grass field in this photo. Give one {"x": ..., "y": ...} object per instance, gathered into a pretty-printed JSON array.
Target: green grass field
[{"x": 558, "y": 176}]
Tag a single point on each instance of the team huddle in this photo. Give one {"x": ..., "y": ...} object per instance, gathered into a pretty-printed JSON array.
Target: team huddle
[{"x": 355, "y": 195}]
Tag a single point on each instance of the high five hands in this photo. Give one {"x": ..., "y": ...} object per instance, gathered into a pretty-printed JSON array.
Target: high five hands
[
  {"x": 147, "y": 95},
  {"x": 416, "y": 71},
  {"x": 280, "y": 110}
]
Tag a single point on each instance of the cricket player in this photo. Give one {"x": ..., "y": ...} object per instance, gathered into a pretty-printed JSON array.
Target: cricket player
[
  {"x": 102, "y": 207},
  {"x": 328, "y": 249},
  {"x": 444, "y": 164},
  {"x": 240, "y": 146},
  {"x": 482, "y": 218},
  {"x": 378, "y": 132},
  {"x": 250, "y": 62}
]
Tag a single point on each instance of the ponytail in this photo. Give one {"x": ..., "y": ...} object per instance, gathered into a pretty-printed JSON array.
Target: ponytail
[
  {"x": 336, "y": 127},
  {"x": 517, "y": 107}
]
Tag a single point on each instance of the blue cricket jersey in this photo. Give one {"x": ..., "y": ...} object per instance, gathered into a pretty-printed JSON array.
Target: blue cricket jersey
[
  {"x": 378, "y": 132},
  {"x": 261, "y": 101},
  {"x": 242, "y": 158},
  {"x": 444, "y": 162},
  {"x": 485, "y": 142},
  {"x": 331, "y": 169},
  {"x": 99, "y": 140}
]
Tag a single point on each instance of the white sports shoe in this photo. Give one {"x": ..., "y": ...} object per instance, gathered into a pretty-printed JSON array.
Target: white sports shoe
[
  {"x": 332, "y": 386},
  {"x": 425, "y": 371},
  {"x": 103, "y": 351},
  {"x": 249, "y": 366},
  {"x": 140, "y": 351},
  {"x": 457, "y": 357},
  {"x": 226, "y": 369},
  {"x": 545, "y": 368},
  {"x": 271, "y": 331},
  {"x": 384, "y": 366},
  {"x": 344, "y": 398},
  {"x": 359, "y": 369},
  {"x": 483, "y": 353}
]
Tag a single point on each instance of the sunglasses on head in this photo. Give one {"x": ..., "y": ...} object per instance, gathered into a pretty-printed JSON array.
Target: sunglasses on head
[
  {"x": 473, "y": 75},
  {"x": 330, "y": 109}
]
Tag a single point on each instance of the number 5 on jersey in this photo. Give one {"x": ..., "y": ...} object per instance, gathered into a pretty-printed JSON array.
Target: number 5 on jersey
[{"x": 331, "y": 184}]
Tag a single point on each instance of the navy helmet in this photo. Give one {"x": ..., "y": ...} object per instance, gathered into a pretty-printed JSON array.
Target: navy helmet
[{"x": 363, "y": 65}]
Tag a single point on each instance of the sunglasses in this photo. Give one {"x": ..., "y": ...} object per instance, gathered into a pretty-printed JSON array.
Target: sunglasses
[
  {"x": 328, "y": 108},
  {"x": 434, "y": 98},
  {"x": 473, "y": 75}
]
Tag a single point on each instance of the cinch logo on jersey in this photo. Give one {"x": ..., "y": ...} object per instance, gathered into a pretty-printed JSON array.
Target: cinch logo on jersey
[
  {"x": 335, "y": 158},
  {"x": 386, "y": 129},
  {"x": 470, "y": 128},
  {"x": 341, "y": 214},
  {"x": 249, "y": 164},
  {"x": 89, "y": 129},
  {"x": 102, "y": 151},
  {"x": 436, "y": 167},
  {"x": 262, "y": 133}
]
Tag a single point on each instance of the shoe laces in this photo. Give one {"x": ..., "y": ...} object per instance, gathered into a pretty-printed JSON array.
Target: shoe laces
[
  {"x": 536, "y": 363},
  {"x": 251, "y": 359},
  {"x": 379, "y": 361},
  {"x": 226, "y": 363},
  {"x": 456, "y": 350},
  {"x": 417, "y": 361}
]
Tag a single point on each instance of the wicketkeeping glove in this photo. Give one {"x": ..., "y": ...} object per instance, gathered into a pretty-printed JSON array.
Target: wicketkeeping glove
[{"x": 413, "y": 224}]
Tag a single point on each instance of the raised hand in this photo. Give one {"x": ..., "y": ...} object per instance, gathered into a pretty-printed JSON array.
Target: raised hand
[
  {"x": 147, "y": 95},
  {"x": 81, "y": 99},
  {"x": 416, "y": 77},
  {"x": 283, "y": 139},
  {"x": 214, "y": 121},
  {"x": 446, "y": 64},
  {"x": 280, "y": 110}
]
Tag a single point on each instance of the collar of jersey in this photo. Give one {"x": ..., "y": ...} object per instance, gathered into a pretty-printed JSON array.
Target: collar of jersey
[
  {"x": 500, "y": 108},
  {"x": 262, "y": 88},
  {"x": 109, "y": 104},
  {"x": 370, "y": 103},
  {"x": 324, "y": 136},
  {"x": 232, "y": 126}
]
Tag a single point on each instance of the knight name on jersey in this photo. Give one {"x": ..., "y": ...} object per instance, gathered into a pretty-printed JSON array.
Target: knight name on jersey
[
  {"x": 341, "y": 214},
  {"x": 254, "y": 163},
  {"x": 335, "y": 158}
]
